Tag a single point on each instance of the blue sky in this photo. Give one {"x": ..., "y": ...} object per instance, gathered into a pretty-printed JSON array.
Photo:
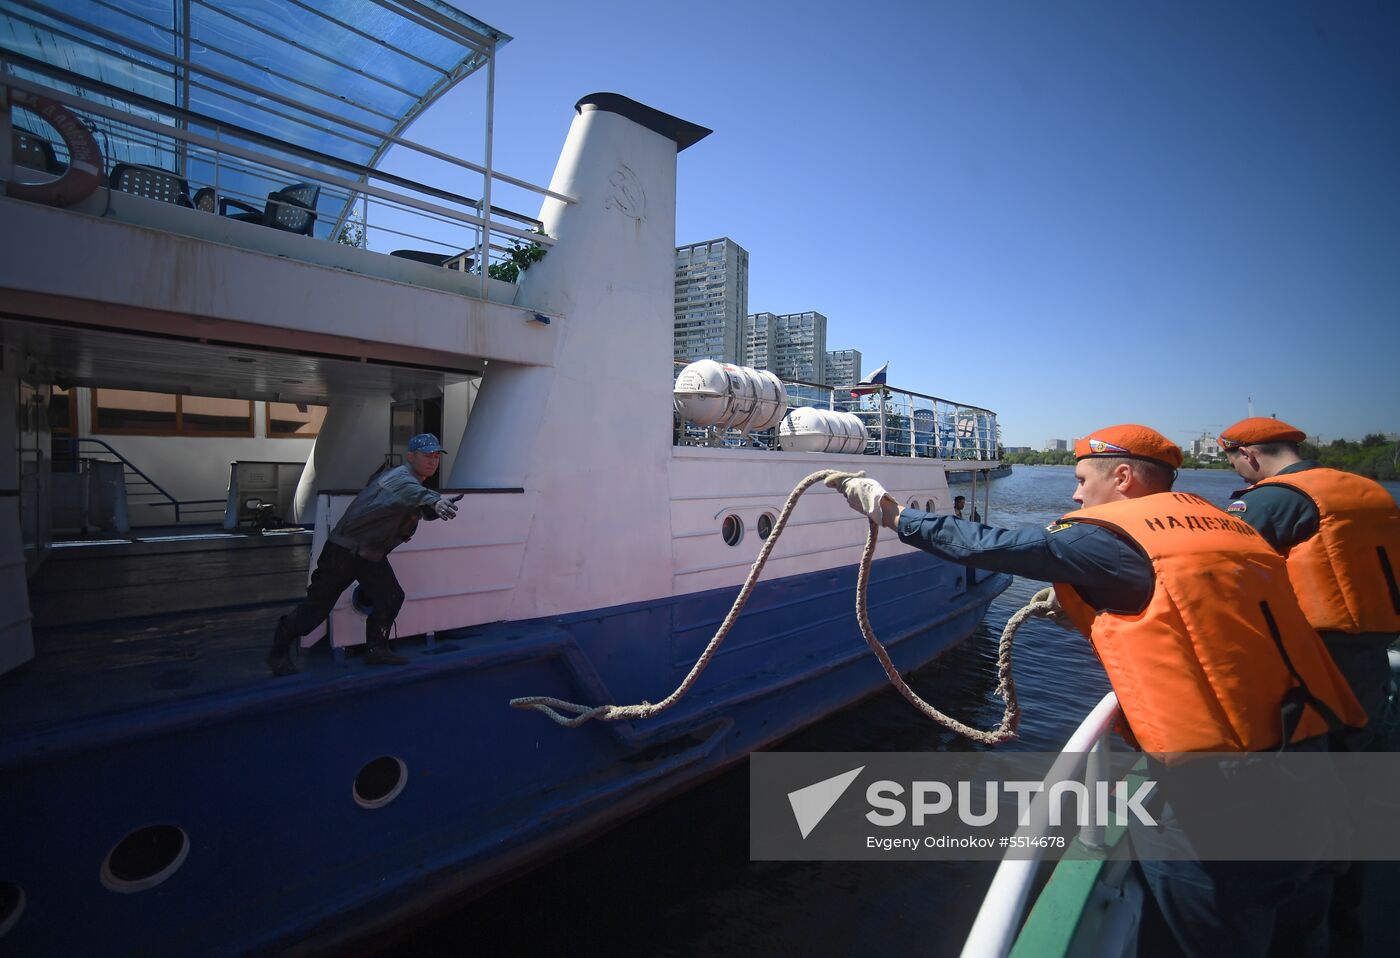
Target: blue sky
[{"x": 1075, "y": 213}]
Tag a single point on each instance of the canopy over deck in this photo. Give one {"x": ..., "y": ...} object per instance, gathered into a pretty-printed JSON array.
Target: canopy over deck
[{"x": 341, "y": 78}]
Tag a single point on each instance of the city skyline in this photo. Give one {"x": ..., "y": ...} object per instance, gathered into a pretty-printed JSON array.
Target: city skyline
[{"x": 1041, "y": 210}]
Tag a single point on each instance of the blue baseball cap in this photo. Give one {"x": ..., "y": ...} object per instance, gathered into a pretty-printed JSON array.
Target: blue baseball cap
[{"x": 425, "y": 442}]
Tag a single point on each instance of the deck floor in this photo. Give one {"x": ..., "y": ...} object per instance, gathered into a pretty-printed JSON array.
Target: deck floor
[{"x": 122, "y": 625}]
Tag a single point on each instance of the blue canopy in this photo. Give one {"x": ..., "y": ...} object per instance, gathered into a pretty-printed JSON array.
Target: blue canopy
[{"x": 338, "y": 78}]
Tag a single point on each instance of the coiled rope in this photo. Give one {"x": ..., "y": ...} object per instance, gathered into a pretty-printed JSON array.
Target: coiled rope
[{"x": 572, "y": 715}]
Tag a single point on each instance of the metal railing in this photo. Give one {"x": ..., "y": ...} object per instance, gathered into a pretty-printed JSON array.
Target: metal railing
[
  {"x": 359, "y": 204},
  {"x": 898, "y": 422},
  {"x": 994, "y": 930},
  {"x": 164, "y": 498}
]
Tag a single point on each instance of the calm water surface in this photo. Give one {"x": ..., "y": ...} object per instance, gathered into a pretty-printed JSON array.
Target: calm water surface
[{"x": 677, "y": 881}]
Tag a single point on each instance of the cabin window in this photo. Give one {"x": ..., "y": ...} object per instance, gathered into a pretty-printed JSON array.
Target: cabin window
[
  {"x": 145, "y": 858},
  {"x": 294, "y": 420},
  {"x": 765, "y": 525},
  {"x": 732, "y": 529},
  {"x": 133, "y": 413},
  {"x": 380, "y": 782}
]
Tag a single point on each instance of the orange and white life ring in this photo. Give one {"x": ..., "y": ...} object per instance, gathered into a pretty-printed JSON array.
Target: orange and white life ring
[{"x": 84, "y": 173}]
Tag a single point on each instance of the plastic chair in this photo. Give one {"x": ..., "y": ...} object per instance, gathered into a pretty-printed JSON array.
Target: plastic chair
[
  {"x": 35, "y": 152},
  {"x": 292, "y": 208},
  {"x": 151, "y": 182}
]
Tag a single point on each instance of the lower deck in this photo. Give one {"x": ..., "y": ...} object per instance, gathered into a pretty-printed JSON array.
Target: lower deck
[{"x": 120, "y": 625}]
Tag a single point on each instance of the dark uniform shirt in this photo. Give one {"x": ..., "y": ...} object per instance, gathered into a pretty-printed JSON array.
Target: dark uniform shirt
[
  {"x": 1107, "y": 570},
  {"x": 385, "y": 514},
  {"x": 1284, "y": 517}
]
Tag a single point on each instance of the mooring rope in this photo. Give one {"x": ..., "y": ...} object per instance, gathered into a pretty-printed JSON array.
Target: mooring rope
[{"x": 556, "y": 709}]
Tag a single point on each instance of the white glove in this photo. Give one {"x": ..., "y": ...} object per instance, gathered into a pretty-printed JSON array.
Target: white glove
[
  {"x": 863, "y": 495},
  {"x": 1057, "y": 613},
  {"x": 445, "y": 509}
]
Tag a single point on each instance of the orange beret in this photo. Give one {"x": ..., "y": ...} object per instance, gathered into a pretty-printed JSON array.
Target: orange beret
[
  {"x": 1249, "y": 432},
  {"x": 1130, "y": 441}
]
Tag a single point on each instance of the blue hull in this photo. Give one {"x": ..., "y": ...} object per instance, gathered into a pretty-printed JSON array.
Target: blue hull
[{"x": 260, "y": 779}]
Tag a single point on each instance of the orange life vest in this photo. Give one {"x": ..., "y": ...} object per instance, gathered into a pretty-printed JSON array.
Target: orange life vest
[
  {"x": 1346, "y": 575},
  {"x": 1221, "y": 659}
]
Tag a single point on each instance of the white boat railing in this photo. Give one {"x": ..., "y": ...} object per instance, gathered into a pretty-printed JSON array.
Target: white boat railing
[
  {"x": 898, "y": 423},
  {"x": 994, "y": 930},
  {"x": 137, "y": 121}
]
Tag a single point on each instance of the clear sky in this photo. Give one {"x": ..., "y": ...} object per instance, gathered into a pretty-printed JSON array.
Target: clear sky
[{"x": 1074, "y": 213}]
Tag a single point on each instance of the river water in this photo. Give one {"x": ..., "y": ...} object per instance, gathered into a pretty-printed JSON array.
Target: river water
[{"x": 677, "y": 880}]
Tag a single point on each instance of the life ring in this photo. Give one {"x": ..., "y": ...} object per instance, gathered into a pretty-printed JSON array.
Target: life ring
[{"x": 84, "y": 173}]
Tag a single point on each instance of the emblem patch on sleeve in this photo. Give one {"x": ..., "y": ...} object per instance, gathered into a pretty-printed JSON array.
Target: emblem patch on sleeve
[
  {"x": 1058, "y": 526},
  {"x": 1237, "y": 506}
]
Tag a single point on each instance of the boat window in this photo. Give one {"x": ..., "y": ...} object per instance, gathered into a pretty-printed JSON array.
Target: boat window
[
  {"x": 380, "y": 782},
  {"x": 765, "y": 525},
  {"x": 145, "y": 858},
  {"x": 732, "y": 530},
  {"x": 11, "y": 905},
  {"x": 928, "y": 506},
  {"x": 135, "y": 413},
  {"x": 294, "y": 420}
]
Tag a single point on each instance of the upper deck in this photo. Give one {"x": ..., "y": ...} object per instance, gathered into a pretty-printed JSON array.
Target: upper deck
[{"x": 238, "y": 158}]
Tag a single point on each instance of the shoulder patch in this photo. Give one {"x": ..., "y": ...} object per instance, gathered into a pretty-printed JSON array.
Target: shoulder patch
[
  {"x": 1237, "y": 506},
  {"x": 1058, "y": 526}
]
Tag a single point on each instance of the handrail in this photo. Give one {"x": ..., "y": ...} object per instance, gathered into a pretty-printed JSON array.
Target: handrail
[
  {"x": 994, "y": 930},
  {"x": 73, "y": 443}
]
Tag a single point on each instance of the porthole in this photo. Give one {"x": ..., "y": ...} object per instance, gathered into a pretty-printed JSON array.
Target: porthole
[
  {"x": 765, "y": 525},
  {"x": 913, "y": 503},
  {"x": 11, "y": 906},
  {"x": 928, "y": 506},
  {"x": 732, "y": 530},
  {"x": 380, "y": 782},
  {"x": 145, "y": 858}
]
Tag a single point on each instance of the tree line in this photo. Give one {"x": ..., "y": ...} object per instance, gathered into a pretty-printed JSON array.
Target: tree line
[{"x": 1375, "y": 457}]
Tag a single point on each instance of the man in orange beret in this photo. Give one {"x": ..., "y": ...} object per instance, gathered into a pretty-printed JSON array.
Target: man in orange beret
[
  {"x": 1153, "y": 579},
  {"x": 1341, "y": 536}
]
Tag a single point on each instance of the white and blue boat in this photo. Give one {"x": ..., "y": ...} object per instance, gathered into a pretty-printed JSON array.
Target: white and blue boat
[{"x": 162, "y": 794}]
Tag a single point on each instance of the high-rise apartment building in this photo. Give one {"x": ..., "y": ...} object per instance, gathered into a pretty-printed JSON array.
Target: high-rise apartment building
[
  {"x": 797, "y": 346},
  {"x": 712, "y": 300},
  {"x": 842, "y": 368},
  {"x": 758, "y": 351}
]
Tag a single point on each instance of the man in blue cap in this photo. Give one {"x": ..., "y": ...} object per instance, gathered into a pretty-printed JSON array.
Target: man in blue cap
[{"x": 383, "y": 516}]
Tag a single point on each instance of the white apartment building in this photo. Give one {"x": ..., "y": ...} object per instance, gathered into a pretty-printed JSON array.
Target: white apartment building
[
  {"x": 758, "y": 351},
  {"x": 842, "y": 368},
  {"x": 797, "y": 346},
  {"x": 712, "y": 300}
]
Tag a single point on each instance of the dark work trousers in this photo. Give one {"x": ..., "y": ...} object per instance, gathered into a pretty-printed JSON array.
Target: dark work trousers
[
  {"x": 1235, "y": 908},
  {"x": 336, "y": 568}
]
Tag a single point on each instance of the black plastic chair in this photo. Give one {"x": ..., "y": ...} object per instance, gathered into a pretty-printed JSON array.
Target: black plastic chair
[
  {"x": 35, "y": 152},
  {"x": 432, "y": 259},
  {"x": 292, "y": 208},
  {"x": 151, "y": 182}
]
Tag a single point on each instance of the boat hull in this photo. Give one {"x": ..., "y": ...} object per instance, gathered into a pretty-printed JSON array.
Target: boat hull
[{"x": 261, "y": 780}]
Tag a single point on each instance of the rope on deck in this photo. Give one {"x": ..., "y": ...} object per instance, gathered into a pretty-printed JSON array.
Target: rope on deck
[{"x": 572, "y": 715}]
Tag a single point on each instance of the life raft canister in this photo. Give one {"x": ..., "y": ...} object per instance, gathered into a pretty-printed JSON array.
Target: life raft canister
[{"x": 84, "y": 173}]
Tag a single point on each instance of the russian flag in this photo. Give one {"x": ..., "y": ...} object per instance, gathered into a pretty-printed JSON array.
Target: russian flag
[{"x": 872, "y": 383}]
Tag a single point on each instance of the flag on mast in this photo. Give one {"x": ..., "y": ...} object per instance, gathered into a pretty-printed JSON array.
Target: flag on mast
[{"x": 872, "y": 383}]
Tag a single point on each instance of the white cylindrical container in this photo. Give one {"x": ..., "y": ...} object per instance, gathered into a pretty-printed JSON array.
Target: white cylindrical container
[
  {"x": 709, "y": 393},
  {"x": 702, "y": 393},
  {"x": 808, "y": 429}
]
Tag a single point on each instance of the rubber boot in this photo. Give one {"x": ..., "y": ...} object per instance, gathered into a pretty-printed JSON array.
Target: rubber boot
[
  {"x": 279, "y": 660},
  {"x": 377, "y": 651}
]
